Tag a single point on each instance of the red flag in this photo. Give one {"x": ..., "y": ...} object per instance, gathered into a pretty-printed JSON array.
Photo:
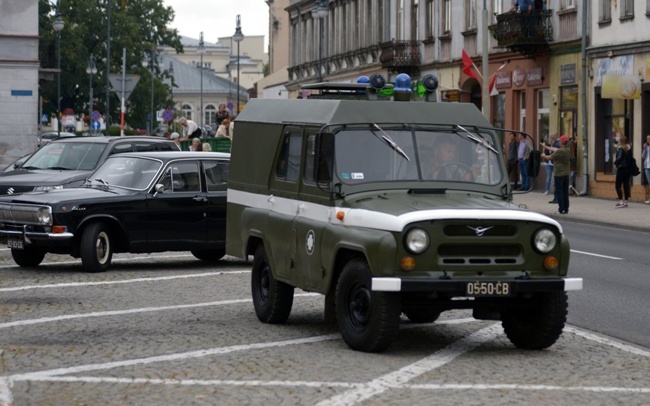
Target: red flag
[
  {"x": 468, "y": 65},
  {"x": 493, "y": 79}
]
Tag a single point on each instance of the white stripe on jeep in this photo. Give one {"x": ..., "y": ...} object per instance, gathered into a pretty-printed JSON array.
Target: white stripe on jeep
[{"x": 373, "y": 219}]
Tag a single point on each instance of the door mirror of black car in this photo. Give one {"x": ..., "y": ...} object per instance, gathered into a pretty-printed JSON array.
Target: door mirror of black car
[{"x": 159, "y": 188}]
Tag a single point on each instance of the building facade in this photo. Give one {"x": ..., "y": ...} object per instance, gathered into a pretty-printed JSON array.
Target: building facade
[{"x": 19, "y": 74}]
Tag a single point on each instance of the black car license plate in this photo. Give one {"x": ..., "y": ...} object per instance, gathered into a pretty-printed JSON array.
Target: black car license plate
[
  {"x": 477, "y": 288},
  {"x": 15, "y": 244}
]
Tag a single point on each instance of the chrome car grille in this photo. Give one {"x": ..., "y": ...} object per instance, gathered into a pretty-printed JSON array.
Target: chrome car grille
[
  {"x": 12, "y": 190},
  {"x": 16, "y": 213}
]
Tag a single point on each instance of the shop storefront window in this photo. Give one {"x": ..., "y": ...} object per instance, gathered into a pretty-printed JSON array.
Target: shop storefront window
[
  {"x": 543, "y": 114},
  {"x": 616, "y": 121}
]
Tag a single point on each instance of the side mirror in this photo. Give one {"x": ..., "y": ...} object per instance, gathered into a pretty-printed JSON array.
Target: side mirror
[{"x": 159, "y": 188}]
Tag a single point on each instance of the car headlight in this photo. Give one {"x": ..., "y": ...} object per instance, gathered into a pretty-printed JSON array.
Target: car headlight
[
  {"x": 44, "y": 188},
  {"x": 44, "y": 215},
  {"x": 544, "y": 240},
  {"x": 417, "y": 241}
]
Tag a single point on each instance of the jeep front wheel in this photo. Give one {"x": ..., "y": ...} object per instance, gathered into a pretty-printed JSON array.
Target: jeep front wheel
[
  {"x": 368, "y": 320},
  {"x": 96, "y": 248},
  {"x": 272, "y": 299},
  {"x": 538, "y": 325}
]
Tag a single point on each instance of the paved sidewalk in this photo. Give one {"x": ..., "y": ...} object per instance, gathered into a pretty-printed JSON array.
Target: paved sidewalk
[{"x": 590, "y": 209}]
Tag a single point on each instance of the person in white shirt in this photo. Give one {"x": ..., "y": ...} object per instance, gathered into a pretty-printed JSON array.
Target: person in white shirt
[{"x": 190, "y": 129}]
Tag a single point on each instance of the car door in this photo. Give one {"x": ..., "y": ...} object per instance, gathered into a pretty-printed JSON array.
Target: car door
[
  {"x": 215, "y": 174},
  {"x": 178, "y": 216}
]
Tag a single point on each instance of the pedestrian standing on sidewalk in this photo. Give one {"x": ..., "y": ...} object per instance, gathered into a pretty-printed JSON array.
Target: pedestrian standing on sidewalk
[
  {"x": 645, "y": 162},
  {"x": 623, "y": 163},
  {"x": 523, "y": 153},
  {"x": 549, "y": 165},
  {"x": 512, "y": 161},
  {"x": 573, "y": 147},
  {"x": 562, "y": 159}
]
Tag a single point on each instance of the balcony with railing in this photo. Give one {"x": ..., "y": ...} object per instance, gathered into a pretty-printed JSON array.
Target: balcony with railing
[
  {"x": 527, "y": 32},
  {"x": 400, "y": 56}
]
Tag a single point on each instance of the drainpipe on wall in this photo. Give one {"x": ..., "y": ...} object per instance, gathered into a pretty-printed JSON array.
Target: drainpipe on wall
[{"x": 583, "y": 95}]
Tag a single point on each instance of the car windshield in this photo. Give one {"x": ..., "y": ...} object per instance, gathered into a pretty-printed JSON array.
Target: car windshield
[
  {"x": 419, "y": 155},
  {"x": 66, "y": 156},
  {"x": 127, "y": 172}
]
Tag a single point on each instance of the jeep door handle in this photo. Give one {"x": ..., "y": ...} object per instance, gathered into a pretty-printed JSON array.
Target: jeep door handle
[{"x": 200, "y": 199}]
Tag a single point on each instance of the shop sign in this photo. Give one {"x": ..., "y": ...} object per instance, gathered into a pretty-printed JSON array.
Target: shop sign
[
  {"x": 535, "y": 76},
  {"x": 568, "y": 74},
  {"x": 519, "y": 77},
  {"x": 621, "y": 87},
  {"x": 503, "y": 80},
  {"x": 619, "y": 65},
  {"x": 450, "y": 96}
]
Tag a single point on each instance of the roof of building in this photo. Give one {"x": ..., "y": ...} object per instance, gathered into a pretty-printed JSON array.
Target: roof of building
[{"x": 187, "y": 79}]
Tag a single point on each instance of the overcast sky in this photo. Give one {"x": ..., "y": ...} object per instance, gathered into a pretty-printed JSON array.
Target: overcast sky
[{"x": 217, "y": 18}]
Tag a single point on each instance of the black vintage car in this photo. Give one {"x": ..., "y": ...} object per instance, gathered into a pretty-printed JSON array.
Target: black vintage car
[
  {"x": 135, "y": 202},
  {"x": 67, "y": 162}
]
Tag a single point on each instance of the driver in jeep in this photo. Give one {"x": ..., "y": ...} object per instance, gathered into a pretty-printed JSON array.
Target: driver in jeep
[{"x": 445, "y": 164}]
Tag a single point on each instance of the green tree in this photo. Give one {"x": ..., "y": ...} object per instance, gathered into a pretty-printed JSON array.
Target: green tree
[{"x": 135, "y": 25}]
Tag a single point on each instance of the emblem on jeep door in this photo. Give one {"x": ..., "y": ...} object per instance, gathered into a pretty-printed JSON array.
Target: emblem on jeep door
[
  {"x": 310, "y": 241},
  {"x": 479, "y": 230}
]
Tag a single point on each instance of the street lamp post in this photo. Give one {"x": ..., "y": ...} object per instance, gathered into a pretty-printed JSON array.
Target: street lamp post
[
  {"x": 91, "y": 69},
  {"x": 201, "y": 50},
  {"x": 150, "y": 61},
  {"x": 171, "y": 85},
  {"x": 58, "y": 26},
  {"x": 320, "y": 13},
  {"x": 238, "y": 37}
]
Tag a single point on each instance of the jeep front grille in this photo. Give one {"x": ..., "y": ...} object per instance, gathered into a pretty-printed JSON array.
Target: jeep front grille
[
  {"x": 472, "y": 254},
  {"x": 463, "y": 230}
]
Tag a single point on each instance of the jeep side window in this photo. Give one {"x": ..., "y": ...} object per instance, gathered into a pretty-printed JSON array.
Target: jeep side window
[{"x": 288, "y": 163}]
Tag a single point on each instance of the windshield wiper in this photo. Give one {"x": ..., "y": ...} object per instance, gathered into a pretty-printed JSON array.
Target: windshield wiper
[
  {"x": 59, "y": 168},
  {"x": 389, "y": 141},
  {"x": 102, "y": 181},
  {"x": 478, "y": 140},
  {"x": 29, "y": 167}
]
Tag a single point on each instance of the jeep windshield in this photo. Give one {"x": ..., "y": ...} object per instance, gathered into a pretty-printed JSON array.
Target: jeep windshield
[
  {"x": 419, "y": 155},
  {"x": 82, "y": 156}
]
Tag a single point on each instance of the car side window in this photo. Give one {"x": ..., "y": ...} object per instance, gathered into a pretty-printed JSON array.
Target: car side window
[
  {"x": 184, "y": 177},
  {"x": 163, "y": 146},
  {"x": 216, "y": 175},
  {"x": 288, "y": 164},
  {"x": 119, "y": 148},
  {"x": 144, "y": 146}
]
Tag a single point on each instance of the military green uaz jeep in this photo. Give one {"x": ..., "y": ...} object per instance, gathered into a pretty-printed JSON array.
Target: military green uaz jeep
[{"x": 390, "y": 208}]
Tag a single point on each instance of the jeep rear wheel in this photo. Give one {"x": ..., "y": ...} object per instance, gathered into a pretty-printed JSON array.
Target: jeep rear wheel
[
  {"x": 28, "y": 257},
  {"x": 368, "y": 320},
  {"x": 539, "y": 325},
  {"x": 272, "y": 299},
  {"x": 96, "y": 248}
]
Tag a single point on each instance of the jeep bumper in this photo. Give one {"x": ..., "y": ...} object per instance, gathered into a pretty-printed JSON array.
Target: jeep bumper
[{"x": 461, "y": 287}]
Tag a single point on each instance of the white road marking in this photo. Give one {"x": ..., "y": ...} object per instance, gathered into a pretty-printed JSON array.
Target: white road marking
[
  {"x": 6, "y": 398},
  {"x": 129, "y": 311},
  {"x": 604, "y": 340},
  {"x": 121, "y": 281},
  {"x": 596, "y": 255},
  {"x": 78, "y": 261},
  {"x": 403, "y": 375}
]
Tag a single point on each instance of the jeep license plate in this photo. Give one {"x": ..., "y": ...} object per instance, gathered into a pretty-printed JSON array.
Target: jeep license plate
[
  {"x": 477, "y": 288},
  {"x": 15, "y": 244}
]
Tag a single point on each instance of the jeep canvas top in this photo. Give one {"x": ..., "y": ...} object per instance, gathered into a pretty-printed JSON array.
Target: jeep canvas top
[{"x": 390, "y": 208}]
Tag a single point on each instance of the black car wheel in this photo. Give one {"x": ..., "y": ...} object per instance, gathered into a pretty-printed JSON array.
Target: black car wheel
[
  {"x": 209, "y": 255},
  {"x": 28, "y": 257},
  {"x": 539, "y": 325},
  {"x": 272, "y": 299},
  {"x": 368, "y": 320},
  {"x": 96, "y": 249}
]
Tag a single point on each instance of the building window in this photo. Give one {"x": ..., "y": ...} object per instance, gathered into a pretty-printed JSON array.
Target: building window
[
  {"x": 567, "y": 4},
  {"x": 446, "y": 17},
  {"x": 415, "y": 21},
  {"x": 627, "y": 8},
  {"x": 605, "y": 10},
  {"x": 470, "y": 15},
  {"x": 430, "y": 19},
  {"x": 210, "y": 114},
  {"x": 497, "y": 7},
  {"x": 186, "y": 111},
  {"x": 400, "y": 16}
]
